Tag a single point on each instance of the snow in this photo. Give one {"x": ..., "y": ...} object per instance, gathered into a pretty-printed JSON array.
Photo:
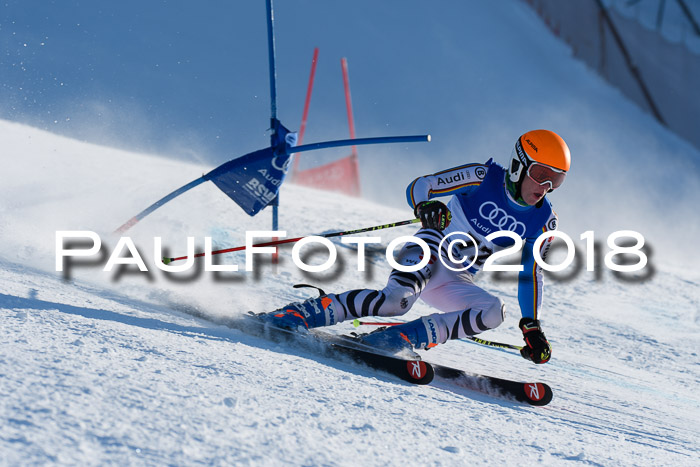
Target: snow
[
  {"x": 124, "y": 369},
  {"x": 136, "y": 368},
  {"x": 668, "y": 18}
]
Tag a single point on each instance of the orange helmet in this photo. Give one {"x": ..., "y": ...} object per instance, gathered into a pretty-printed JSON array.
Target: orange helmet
[{"x": 541, "y": 154}]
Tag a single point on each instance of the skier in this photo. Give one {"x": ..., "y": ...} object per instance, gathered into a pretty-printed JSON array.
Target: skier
[{"x": 486, "y": 198}]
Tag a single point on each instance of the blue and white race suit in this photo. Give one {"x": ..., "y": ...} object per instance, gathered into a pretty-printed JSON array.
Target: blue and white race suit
[{"x": 480, "y": 205}]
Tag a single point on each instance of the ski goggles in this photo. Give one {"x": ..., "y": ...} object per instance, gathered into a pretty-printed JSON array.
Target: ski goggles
[{"x": 543, "y": 174}]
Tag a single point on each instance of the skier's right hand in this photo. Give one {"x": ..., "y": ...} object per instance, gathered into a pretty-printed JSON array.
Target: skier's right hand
[
  {"x": 433, "y": 215},
  {"x": 537, "y": 347}
]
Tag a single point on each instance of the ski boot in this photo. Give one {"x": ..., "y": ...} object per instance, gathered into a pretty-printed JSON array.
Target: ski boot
[
  {"x": 417, "y": 334},
  {"x": 312, "y": 313}
]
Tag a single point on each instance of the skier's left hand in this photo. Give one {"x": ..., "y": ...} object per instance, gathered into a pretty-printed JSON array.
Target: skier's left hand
[{"x": 537, "y": 348}]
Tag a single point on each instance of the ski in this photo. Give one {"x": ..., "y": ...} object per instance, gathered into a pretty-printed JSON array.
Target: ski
[
  {"x": 534, "y": 393},
  {"x": 412, "y": 370},
  {"x": 409, "y": 369}
]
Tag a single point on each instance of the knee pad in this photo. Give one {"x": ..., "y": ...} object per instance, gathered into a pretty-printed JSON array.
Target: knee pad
[
  {"x": 493, "y": 316},
  {"x": 398, "y": 300}
]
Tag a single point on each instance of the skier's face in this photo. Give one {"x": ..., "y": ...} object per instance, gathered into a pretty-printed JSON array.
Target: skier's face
[{"x": 531, "y": 192}]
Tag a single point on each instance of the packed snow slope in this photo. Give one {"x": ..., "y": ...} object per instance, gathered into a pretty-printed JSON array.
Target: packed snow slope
[
  {"x": 135, "y": 367},
  {"x": 132, "y": 367}
]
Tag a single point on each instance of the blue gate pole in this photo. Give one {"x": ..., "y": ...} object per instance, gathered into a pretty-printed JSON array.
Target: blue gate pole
[{"x": 273, "y": 99}]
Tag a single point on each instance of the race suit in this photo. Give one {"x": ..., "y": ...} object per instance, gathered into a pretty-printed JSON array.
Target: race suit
[{"x": 480, "y": 205}]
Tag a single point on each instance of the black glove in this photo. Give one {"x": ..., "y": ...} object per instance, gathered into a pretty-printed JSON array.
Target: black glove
[
  {"x": 536, "y": 347},
  {"x": 433, "y": 215}
]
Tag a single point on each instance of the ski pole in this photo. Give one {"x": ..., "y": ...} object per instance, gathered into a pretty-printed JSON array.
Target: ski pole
[
  {"x": 292, "y": 240},
  {"x": 478, "y": 340},
  {"x": 357, "y": 323},
  {"x": 500, "y": 345}
]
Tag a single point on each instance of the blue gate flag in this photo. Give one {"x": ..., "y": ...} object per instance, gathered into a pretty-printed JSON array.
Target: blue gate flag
[{"x": 253, "y": 180}]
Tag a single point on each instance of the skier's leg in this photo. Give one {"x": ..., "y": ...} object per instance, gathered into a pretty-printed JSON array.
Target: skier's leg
[
  {"x": 401, "y": 292},
  {"x": 399, "y": 295},
  {"x": 468, "y": 310},
  {"x": 402, "y": 289}
]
